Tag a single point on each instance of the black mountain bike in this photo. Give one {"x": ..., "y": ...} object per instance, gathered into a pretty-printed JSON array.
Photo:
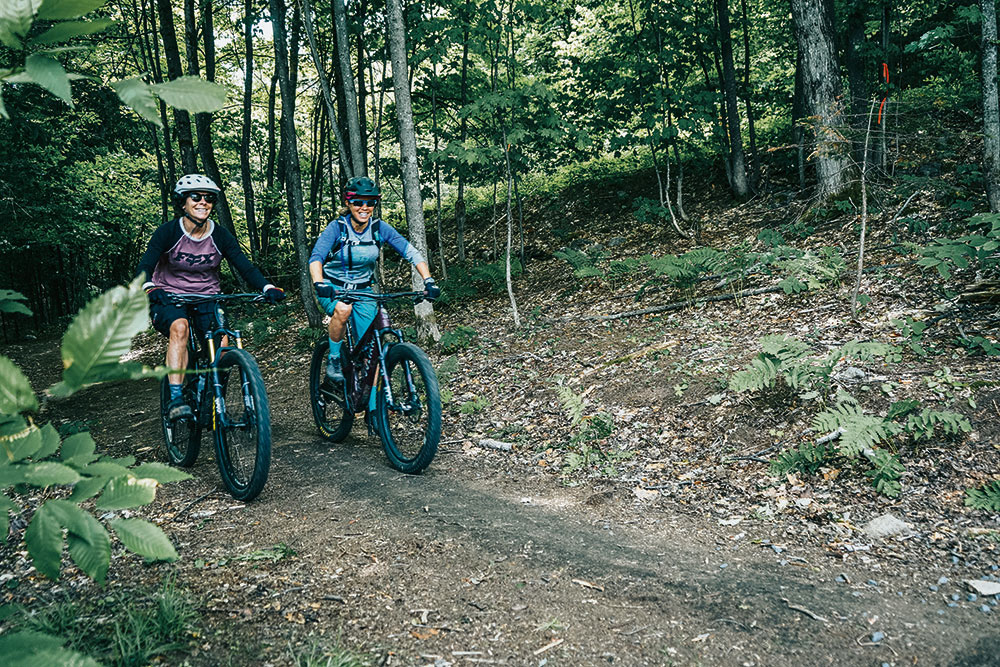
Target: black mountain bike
[
  {"x": 226, "y": 393},
  {"x": 408, "y": 401}
]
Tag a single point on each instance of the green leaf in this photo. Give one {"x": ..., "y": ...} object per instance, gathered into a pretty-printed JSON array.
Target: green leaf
[
  {"x": 99, "y": 335},
  {"x": 67, "y": 9},
  {"x": 78, "y": 449},
  {"x": 87, "y": 488},
  {"x": 125, "y": 492},
  {"x": 44, "y": 540},
  {"x": 105, "y": 469},
  {"x": 15, "y": 390},
  {"x": 138, "y": 95},
  {"x": 6, "y": 505},
  {"x": 13, "y": 306},
  {"x": 3, "y": 108},
  {"x": 89, "y": 545},
  {"x": 144, "y": 538},
  {"x": 191, "y": 94},
  {"x": 50, "y": 442},
  {"x": 16, "y": 17},
  {"x": 28, "y": 648},
  {"x": 50, "y": 474},
  {"x": 50, "y": 75},
  {"x": 61, "y": 32},
  {"x": 24, "y": 444},
  {"x": 161, "y": 472}
]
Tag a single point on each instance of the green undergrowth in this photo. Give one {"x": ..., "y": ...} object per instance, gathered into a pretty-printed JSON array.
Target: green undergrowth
[
  {"x": 788, "y": 369},
  {"x": 119, "y": 628}
]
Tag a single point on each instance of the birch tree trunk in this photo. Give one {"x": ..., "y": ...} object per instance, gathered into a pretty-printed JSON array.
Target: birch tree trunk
[
  {"x": 991, "y": 113},
  {"x": 293, "y": 176},
  {"x": 510, "y": 232},
  {"x": 426, "y": 323},
  {"x": 822, "y": 94}
]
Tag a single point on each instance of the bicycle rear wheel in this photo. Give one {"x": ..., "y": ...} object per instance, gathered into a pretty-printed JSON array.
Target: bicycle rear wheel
[
  {"x": 410, "y": 428},
  {"x": 332, "y": 417},
  {"x": 243, "y": 434},
  {"x": 181, "y": 437}
]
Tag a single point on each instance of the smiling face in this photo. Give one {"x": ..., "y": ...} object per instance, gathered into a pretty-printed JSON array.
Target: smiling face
[
  {"x": 198, "y": 205},
  {"x": 363, "y": 213}
]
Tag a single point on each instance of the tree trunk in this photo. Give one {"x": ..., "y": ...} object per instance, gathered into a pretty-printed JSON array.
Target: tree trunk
[
  {"x": 426, "y": 323},
  {"x": 821, "y": 89},
  {"x": 510, "y": 229},
  {"x": 991, "y": 112},
  {"x": 754, "y": 165},
  {"x": 203, "y": 121},
  {"x": 270, "y": 210},
  {"x": 157, "y": 73},
  {"x": 324, "y": 84},
  {"x": 737, "y": 158},
  {"x": 362, "y": 90},
  {"x": 249, "y": 18},
  {"x": 293, "y": 177},
  {"x": 798, "y": 117},
  {"x": 171, "y": 52},
  {"x": 437, "y": 172},
  {"x": 463, "y": 133},
  {"x": 358, "y": 165},
  {"x": 856, "y": 75}
]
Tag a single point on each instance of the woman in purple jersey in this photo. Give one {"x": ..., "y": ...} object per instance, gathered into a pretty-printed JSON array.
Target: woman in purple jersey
[{"x": 184, "y": 256}]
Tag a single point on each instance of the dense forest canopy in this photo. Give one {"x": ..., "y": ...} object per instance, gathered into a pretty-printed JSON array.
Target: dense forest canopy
[{"x": 740, "y": 94}]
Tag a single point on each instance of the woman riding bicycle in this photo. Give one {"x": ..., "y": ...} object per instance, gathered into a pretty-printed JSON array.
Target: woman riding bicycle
[
  {"x": 184, "y": 256},
  {"x": 344, "y": 258}
]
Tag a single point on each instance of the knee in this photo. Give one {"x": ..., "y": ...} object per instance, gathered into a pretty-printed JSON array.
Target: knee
[
  {"x": 342, "y": 311},
  {"x": 179, "y": 329}
]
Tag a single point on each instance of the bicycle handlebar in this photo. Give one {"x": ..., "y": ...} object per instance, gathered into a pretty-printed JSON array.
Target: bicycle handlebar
[
  {"x": 371, "y": 296},
  {"x": 181, "y": 299}
]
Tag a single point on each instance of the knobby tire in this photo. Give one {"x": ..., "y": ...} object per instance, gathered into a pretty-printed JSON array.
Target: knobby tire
[
  {"x": 410, "y": 435},
  {"x": 182, "y": 438},
  {"x": 243, "y": 438},
  {"x": 332, "y": 419}
]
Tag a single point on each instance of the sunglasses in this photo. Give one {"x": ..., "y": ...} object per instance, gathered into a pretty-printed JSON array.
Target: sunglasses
[
  {"x": 209, "y": 197},
  {"x": 358, "y": 203}
]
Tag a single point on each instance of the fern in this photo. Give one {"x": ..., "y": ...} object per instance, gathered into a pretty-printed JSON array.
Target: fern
[
  {"x": 582, "y": 263},
  {"x": 858, "y": 430},
  {"x": 923, "y": 424},
  {"x": 885, "y": 473},
  {"x": 571, "y": 403},
  {"x": 986, "y": 497},
  {"x": 761, "y": 375},
  {"x": 784, "y": 348},
  {"x": 806, "y": 458}
]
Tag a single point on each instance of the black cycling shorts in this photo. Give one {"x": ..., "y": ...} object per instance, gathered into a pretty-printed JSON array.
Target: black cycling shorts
[{"x": 163, "y": 316}]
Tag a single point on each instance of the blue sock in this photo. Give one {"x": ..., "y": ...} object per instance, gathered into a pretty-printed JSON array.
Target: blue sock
[
  {"x": 335, "y": 349},
  {"x": 175, "y": 391}
]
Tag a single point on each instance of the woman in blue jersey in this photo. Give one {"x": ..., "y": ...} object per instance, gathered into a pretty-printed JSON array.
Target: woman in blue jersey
[
  {"x": 344, "y": 258},
  {"x": 184, "y": 256}
]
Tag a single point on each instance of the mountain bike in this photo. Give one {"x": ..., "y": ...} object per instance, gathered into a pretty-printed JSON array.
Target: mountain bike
[
  {"x": 407, "y": 416},
  {"x": 226, "y": 393}
]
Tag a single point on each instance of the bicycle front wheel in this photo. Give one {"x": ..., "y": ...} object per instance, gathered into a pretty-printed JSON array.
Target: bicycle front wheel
[
  {"x": 243, "y": 430},
  {"x": 332, "y": 418},
  {"x": 182, "y": 437},
  {"x": 410, "y": 426}
]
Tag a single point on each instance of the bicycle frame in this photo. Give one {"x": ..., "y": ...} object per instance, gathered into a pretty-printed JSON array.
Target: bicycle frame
[
  {"x": 362, "y": 355},
  {"x": 206, "y": 357}
]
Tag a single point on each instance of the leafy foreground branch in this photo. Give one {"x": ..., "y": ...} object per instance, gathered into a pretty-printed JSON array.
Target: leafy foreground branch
[{"x": 34, "y": 457}]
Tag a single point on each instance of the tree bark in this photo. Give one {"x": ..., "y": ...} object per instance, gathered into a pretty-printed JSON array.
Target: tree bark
[
  {"x": 991, "y": 112},
  {"x": 426, "y": 323},
  {"x": 754, "y": 164},
  {"x": 358, "y": 165},
  {"x": 324, "y": 84},
  {"x": 437, "y": 172},
  {"x": 822, "y": 94},
  {"x": 463, "y": 133},
  {"x": 737, "y": 158},
  {"x": 203, "y": 121},
  {"x": 856, "y": 74},
  {"x": 171, "y": 52},
  {"x": 246, "y": 175},
  {"x": 293, "y": 176}
]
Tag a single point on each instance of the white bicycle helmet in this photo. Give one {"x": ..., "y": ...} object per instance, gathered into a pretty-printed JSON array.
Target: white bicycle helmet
[{"x": 195, "y": 182}]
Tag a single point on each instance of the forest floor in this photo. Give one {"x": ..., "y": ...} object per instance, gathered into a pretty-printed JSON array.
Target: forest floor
[{"x": 670, "y": 543}]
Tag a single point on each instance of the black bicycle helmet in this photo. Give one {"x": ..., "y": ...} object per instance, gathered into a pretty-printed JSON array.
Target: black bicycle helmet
[{"x": 361, "y": 186}]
